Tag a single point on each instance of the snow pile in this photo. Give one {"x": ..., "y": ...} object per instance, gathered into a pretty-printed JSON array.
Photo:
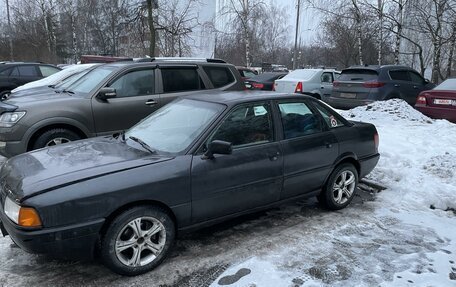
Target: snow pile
[{"x": 418, "y": 155}]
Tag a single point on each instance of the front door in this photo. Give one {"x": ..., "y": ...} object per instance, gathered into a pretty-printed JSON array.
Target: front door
[
  {"x": 135, "y": 100},
  {"x": 249, "y": 177},
  {"x": 309, "y": 148}
]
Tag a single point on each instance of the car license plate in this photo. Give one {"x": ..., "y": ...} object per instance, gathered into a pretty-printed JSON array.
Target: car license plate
[
  {"x": 348, "y": 95},
  {"x": 443, "y": 102},
  {"x": 454, "y": 103}
]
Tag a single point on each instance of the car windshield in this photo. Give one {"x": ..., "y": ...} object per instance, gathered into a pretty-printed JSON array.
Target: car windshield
[
  {"x": 301, "y": 74},
  {"x": 174, "y": 127},
  {"x": 90, "y": 80},
  {"x": 358, "y": 75},
  {"x": 449, "y": 84}
]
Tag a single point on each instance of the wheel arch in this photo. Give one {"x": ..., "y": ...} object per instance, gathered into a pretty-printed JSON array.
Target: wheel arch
[{"x": 345, "y": 158}]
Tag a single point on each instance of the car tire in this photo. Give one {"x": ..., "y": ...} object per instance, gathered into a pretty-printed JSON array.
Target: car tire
[
  {"x": 127, "y": 249},
  {"x": 340, "y": 187},
  {"x": 55, "y": 136}
]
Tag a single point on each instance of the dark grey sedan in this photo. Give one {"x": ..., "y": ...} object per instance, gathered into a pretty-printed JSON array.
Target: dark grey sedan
[{"x": 197, "y": 161}]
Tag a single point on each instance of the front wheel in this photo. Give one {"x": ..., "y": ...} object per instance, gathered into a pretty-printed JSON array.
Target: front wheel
[
  {"x": 340, "y": 188},
  {"x": 137, "y": 241},
  {"x": 54, "y": 137}
]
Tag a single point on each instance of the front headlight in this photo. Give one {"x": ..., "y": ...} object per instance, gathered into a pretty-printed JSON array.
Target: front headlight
[
  {"x": 23, "y": 216},
  {"x": 9, "y": 119}
]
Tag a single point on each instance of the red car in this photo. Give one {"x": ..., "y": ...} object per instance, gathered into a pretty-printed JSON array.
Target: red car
[{"x": 440, "y": 102}]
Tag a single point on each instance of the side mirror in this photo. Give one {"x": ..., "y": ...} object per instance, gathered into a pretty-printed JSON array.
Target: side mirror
[
  {"x": 217, "y": 147},
  {"x": 426, "y": 81},
  {"x": 106, "y": 93}
]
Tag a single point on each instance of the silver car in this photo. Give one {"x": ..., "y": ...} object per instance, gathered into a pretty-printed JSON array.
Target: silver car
[{"x": 313, "y": 82}]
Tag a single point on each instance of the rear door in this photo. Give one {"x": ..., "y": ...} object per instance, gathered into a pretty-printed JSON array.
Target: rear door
[
  {"x": 135, "y": 100},
  {"x": 24, "y": 74},
  {"x": 309, "y": 148},
  {"x": 177, "y": 81},
  {"x": 249, "y": 177}
]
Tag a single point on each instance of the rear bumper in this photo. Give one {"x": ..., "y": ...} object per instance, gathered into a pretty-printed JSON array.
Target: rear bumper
[
  {"x": 367, "y": 164},
  {"x": 69, "y": 242},
  {"x": 438, "y": 112},
  {"x": 342, "y": 103}
]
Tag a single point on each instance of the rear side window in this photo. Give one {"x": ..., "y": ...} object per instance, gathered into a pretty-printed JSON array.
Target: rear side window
[
  {"x": 47, "y": 71},
  {"x": 28, "y": 71},
  {"x": 400, "y": 76},
  {"x": 180, "y": 80},
  {"x": 219, "y": 76},
  {"x": 298, "y": 120},
  {"x": 330, "y": 118},
  {"x": 358, "y": 75}
]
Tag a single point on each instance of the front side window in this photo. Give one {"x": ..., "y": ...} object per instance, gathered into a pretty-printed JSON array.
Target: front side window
[
  {"x": 400, "y": 76},
  {"x": 47, "y": 71},
  {"x": 327, "y": 78},
  {"x": 181, "y": 80},
  {"x": 416, "y": 78},
  {"x": 134, "y": 84},
  {"x": 246, "y": 125},
  {"x": 175, "y": 126},
  {"x": 298, "y": 120}
]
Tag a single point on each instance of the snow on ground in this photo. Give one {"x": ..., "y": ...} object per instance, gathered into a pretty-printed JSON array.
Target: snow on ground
[{"x": 409, "y": 239}]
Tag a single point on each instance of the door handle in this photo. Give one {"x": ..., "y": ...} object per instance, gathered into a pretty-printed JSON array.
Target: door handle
[
  {"x": 151, "y": 103},
  {"x": 328, "y": 145},
  {"x": 415, "y": 87},
  {"x": 397, "y": 85},
  {"x": 274, "y": 157}
]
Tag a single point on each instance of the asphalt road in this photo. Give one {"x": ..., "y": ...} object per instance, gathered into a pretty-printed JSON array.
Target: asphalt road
[{"x": 197, "y": 260}]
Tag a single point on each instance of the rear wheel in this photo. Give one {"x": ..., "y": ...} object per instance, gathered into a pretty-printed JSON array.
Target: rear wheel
[
  {"x": 340, "y": 187},
  {"x": 138, "y": 240},
  {"x": 54, "y": 137}
]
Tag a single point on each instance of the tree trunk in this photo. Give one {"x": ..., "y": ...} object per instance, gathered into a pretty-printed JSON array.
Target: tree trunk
[
  {"x": 400, "y": 22},
  {"x": 74, "y": 40},
  {"x": 359, "y": 32},
  {"x": 450, "y": 56},
  {"x": 150, "y": 21},
  {"x": 380, "y": 32}
]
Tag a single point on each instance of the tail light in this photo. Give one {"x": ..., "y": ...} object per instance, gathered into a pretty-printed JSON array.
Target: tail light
[
  {"x": 373, "y": 84},
  {"x": 336, "y": 83},
  {"x": 298, "y": 88},
  {"x": 257, "y": 85},
  {"x": 421, "y": 100},
  {"x": 376, "y": 141},
  {"x": 273, "y": 86}
]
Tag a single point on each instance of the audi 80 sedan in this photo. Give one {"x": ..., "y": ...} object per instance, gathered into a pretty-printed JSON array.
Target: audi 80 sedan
[{"x": 199, "y": 160}]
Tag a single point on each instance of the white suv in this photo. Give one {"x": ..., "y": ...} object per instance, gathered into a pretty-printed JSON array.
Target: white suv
[{"x": 313, "y": 82}]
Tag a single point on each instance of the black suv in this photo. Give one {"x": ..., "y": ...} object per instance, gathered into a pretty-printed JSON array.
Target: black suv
[
  {"x": 15, "y": 74},
  {"x": 106, "y": 100},
  {"x": 361, "y": 85}
]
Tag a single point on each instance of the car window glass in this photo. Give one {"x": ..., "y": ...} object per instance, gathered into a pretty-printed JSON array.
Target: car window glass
[
  {"x": 298, "y": 120},
  {"x": 246, "y": 125},
  {"x": 358, "y": 75},
  {"x": 6, "y": 72},
  {"x": 47, "y": 71},
  {"x": 448, "y": 84},
  {"x": 331, "y": 120},
  {"x": 90, "y": 80},
  {"x": 28, "y": 71},
  {"x": 417, "y": 79},
  {"x": 180, "y": 80},
  {"x": 327, "y": 78},
  {"x": 219, "y": 76},
  {"x": 15, "y": 72},
  {"x": 136, "y": 83},
  {"x": 249, "y": 74},
  {"x": 400, "y": 76}
]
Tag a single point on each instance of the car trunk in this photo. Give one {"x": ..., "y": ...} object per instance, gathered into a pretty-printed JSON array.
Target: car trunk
[
  {"x": 286, "y": 85},
  {"x": 441, "y": 99}
]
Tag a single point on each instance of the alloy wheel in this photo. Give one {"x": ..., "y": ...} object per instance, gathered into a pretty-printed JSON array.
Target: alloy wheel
[
  {"x": 344, "y": 186},
  {"x": 57, "y": 141}
]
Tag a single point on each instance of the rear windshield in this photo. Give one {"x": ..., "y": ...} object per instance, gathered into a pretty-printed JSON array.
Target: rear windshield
[
  {"x": 301, "y": 74},
  {"x": 449, "y": 84},
  {"x": 358, "y": 75},
  {"x": 265, "y": 77}
]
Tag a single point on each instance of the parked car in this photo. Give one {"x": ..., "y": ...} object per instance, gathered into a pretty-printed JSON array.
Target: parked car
[
  {"x": 264, "y": 81},
  {"x": 202, "y": 159},
  {"x": 314, "y": 82},
  {"x": 108, "y": 99},
  {"x": 15, "y": 74},
  {"x": 440, "y": 102},
  {"x": 361, "y": 85},
  {"x": 246, "y": 73},
  {"x": 56, "y": 78}
]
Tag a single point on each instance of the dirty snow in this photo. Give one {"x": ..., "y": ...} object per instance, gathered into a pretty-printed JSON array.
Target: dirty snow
[{"x": 391, "y": 238}]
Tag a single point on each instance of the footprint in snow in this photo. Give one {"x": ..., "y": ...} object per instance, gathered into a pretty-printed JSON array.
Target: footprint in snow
[{"x": 231, "y": 279}]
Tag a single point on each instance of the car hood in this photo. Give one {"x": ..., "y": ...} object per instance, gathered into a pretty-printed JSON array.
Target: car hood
[
  {"x": 27, "y": 91},
  {"x": 41, "y": 96},
  {"x": 43, "y": 170}
]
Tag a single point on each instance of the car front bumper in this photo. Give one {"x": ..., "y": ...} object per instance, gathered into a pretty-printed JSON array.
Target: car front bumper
[
  {"x": 11, "y": 148},
  {"x": 75, "y": 242},
  {"x": 342, "y": 103}
]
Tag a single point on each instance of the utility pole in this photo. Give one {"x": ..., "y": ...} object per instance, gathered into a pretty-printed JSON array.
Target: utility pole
[
  {"x": 10, "y": 31},
  {"x": 295, "y": 52}
]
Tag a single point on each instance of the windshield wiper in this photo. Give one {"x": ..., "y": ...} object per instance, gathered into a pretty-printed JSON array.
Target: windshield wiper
[
  {"x": 143, "y": 144},
  {"x": 51, "y": 86},
  {"x": 67, "y": 91}
]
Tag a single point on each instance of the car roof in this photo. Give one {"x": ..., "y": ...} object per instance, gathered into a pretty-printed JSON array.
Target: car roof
[
  {"x": 377, "y": 67},
  {"x": 121, "y": 64},
  {"x": 232, "y": 98}
]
